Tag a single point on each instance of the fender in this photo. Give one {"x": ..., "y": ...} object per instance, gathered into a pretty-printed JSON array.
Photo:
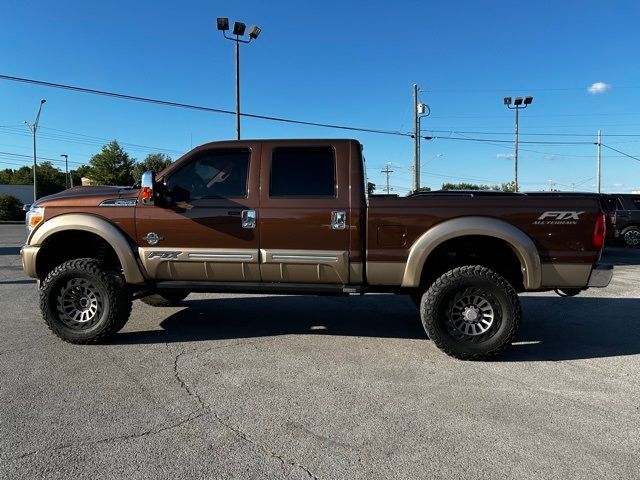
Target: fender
[
  {"x": 98, "y": 226},
  {"x": 520, "y": 242}
]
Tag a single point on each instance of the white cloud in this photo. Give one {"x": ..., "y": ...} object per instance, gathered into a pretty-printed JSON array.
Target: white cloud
[
  {"x": 598, "y": 87},
  {"x": 550, "y": 157},
  {"x": 504, "y": 155}
]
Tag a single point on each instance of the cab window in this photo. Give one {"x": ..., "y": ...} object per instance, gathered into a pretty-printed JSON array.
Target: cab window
[
  {"x": 303, "y": 172},
  {"x": 211, "y": 174}
]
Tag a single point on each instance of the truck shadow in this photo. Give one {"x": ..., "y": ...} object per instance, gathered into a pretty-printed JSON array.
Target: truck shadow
[
  {"x": 621, "y": 256},
  {"x": 553, "y": 329}
]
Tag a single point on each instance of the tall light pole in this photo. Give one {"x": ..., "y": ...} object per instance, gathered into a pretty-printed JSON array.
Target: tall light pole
[
  {"x": 238, "y": 31},
  {"x": 34, "y": 128},
  {"x": 517, "y": 105},
  {"x": 66, "y": 169}
]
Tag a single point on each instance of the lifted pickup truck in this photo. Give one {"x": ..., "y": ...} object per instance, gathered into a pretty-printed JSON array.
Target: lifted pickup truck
[{"x": 293, "y": 217}]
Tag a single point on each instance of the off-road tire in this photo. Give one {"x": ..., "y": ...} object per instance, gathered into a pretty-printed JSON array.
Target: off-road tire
[
  {"x": 441, "y": 302},
  {"x": 629, "y": 237},
  {"x": 165, "y": 299},
  {"x": 111, "y": 311}
]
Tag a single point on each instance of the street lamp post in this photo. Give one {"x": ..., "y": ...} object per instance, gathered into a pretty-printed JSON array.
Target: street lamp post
[
  {"x": 66, "y": 169},
  {"x": 238, "y": 31},
  {"x": 34, "y": 128},
  {"x": 517, "y": 105}
]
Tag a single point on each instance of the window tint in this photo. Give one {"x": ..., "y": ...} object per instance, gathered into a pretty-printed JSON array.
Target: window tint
[
  {"x": 619, "y": 205},
  {"x": 303, "y": 172},
  {"x": 636, "y": 202},
  {"x": 211, "y": 174}
]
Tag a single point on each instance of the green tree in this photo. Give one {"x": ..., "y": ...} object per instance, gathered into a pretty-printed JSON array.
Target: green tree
[
  {"x": 50, "y": 179},
  {"x": 508, "y": 187},
  {"x": 154, "y": 162},
  {"x": 465, "y": 186},
  {"x": 10, "y": 207},
  {"x": 112, "y": 166},
  {"x": 78, "y": 173},
  {"x": 371, "y": 188}
]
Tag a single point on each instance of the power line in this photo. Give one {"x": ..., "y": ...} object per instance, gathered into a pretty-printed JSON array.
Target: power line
[
  {"x": 620, "y": 152},
  {"x": 533, "y": 134},
  {"x": 194, "y": 107},
  {"x": 495, "y": 140}
]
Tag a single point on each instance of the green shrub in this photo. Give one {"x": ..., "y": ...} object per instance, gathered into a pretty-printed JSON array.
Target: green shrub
[{"x": 10, "y": 208}]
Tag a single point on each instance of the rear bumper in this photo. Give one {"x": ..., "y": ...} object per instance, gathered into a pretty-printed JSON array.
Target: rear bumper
[
  {"x": 601, "y": 276},
  {"x": 29, "y": 254}
]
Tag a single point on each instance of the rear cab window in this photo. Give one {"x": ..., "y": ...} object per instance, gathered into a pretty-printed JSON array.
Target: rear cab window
[{"x": 303, "y": 172}]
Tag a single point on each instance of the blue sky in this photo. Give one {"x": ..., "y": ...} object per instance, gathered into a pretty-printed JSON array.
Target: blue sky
[{"x": 340, "y": 62}]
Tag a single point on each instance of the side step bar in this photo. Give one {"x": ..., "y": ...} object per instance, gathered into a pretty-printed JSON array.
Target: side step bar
[{"x": 256, "y": 287}]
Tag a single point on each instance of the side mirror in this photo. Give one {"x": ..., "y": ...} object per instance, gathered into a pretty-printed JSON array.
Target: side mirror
[{"x": 147, "y": 190}]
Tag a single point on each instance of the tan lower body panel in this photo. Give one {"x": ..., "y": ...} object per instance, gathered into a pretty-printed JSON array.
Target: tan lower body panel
[
  {"x": 304, "y": 266},
  {"x": 558, "y": 275},
  {"x": 385, "y": 273},
  {"x": 206, "y": 264}
]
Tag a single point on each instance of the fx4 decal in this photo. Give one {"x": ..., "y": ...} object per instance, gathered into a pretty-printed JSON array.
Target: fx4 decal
[
  {"x": 558, "y": 218},
  {"x": 164, "y": 255}
]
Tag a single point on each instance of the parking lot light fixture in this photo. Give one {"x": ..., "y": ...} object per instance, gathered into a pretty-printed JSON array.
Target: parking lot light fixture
[
  {"x": 517, "y": 105},
  {"x": 238, "y": 31},
  {"x": 223, "y": 24},
  {"x": 254, "y": 31}
]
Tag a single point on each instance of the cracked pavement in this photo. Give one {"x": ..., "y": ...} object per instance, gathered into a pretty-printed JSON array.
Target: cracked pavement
[{"x": 233, "y": 386}]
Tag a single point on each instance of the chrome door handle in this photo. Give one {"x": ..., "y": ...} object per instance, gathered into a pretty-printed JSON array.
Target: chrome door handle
[
  {"x": 338, "y": 220},
  {"x": 248, "y": 219}
]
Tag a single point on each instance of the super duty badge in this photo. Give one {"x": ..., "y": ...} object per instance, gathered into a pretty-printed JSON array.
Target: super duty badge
[{"x": 554, "y": 217}]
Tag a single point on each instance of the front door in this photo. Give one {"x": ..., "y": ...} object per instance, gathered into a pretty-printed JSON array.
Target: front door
[
  {"x": 304, "y": 201},
  {"x": 206, "y": 231}
]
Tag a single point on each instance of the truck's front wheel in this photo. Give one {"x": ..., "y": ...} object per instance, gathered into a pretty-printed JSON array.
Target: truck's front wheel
[
  {"x": 83, "y": 302},
  {"x": 471, "y": 313}
]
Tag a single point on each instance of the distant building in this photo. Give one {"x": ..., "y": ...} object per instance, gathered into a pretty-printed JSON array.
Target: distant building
[{"x": 22, "y": 192}]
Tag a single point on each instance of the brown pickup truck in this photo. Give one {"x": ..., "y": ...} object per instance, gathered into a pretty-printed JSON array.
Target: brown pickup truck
[{"x": 293, "y": 216}]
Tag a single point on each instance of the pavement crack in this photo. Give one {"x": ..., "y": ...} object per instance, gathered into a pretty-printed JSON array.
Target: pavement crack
[
  {"x": 244, "y": 436},
  {"x": 205, "y": 407},
  {"x": 153, "y": 431}
]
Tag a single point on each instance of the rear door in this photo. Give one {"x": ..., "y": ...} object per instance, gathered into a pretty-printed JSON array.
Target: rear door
[{"x": 304, "y": 204}]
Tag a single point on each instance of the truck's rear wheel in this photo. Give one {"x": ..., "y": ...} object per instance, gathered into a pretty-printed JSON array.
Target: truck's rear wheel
[
  {"x": 631, "y": 237},
  {"x": 83, "y": 302},
  {"x": 165, "y": 299},
  {"x": 471, "y": 313}
]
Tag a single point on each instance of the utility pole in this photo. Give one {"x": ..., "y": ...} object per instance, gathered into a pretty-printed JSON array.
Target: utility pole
[
  {"x": 515, "y": 178},
  {"x": 599, "y": 178},
  {"x": 34, "y": 128},
  {"x": 387, "y": 172},
  {"x": 66, "y": 169},
  {"x": 416, "y": 141}
]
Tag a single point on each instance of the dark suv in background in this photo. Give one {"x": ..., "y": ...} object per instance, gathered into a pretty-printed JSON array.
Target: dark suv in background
[{"x": 624, "y": 216}]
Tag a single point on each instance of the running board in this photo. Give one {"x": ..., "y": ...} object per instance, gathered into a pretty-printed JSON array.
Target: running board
[{"x": 256, "y": 287}]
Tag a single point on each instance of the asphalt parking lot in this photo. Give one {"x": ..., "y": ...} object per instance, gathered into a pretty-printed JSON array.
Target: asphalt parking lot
[{"x": 233, "y": 386}]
